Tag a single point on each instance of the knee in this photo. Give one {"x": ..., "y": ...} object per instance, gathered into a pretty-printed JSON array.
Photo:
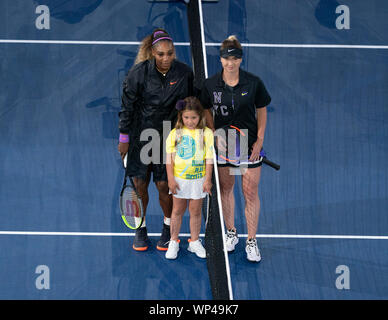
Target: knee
[
  {"x": 177, "y": 212},
  {"x": 141, "y": 187},
  {"x": 143, "y": 192},
  {"x": 162, "y": 188},
  {"x": 227, "y": 189},
  {"x": 195, "y": 212},
  {"x": 251, "y": 194}
]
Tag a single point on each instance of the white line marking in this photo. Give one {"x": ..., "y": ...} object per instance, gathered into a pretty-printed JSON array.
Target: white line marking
[
  {"x": 290, "y": 45},
  {"x": 131, "y": 234},
  {"x": 208, "y": 44},
  {"x": 127, "y": 43},
  {"x": 318, "y": 236},
  {"x": 203, "y": 38}
]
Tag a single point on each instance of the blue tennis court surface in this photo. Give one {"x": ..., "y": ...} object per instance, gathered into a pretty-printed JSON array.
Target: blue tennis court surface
[{"x": 60, "y": 172}]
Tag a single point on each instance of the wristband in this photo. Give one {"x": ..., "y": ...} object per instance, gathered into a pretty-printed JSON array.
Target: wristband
[{"x": 124, "y": 138}]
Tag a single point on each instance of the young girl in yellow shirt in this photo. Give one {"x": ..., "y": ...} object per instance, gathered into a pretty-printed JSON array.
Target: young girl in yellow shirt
[{"x": 189, "y": 149}]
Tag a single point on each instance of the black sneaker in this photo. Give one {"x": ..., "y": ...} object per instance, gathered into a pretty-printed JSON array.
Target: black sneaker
[
  {"x": 162, "y": 244},
  {"x": 140, "y": 243}
]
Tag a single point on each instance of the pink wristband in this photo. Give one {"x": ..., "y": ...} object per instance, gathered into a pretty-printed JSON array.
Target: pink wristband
[{"x": 124, "y": 138}]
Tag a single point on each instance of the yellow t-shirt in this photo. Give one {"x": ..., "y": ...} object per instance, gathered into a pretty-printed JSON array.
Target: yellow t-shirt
[{"x": 190, "y": 153}]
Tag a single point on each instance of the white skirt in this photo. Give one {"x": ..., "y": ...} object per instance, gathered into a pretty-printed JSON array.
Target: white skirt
[{"x": 190, "y": 189}]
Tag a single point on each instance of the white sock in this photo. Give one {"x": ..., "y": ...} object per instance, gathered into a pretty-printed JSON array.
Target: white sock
[
  {"x": 143, "y": 224},
  {"x": 167, "y": 221}
]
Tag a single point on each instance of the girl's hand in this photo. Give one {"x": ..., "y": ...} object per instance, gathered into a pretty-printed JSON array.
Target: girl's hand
[
  {"x": 173, "y": 186},
  {"x": 207, "y": 186}
]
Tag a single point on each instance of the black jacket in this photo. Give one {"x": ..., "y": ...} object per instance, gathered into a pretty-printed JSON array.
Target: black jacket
[{"x": 149, "y": 98}]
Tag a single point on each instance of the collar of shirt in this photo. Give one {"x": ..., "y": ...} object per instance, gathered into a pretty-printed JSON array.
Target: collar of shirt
[
  {"x": 154, "y": 69},
  {"x": 242, "y": 80}
]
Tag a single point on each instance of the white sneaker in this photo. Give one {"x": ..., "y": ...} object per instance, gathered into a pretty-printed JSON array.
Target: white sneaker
[
  {"x": 172, "y": 251},
  {"x": 253, "y": 252},
  {"x": 231, "y": 240},
  {"x": 197, "y": 248}
]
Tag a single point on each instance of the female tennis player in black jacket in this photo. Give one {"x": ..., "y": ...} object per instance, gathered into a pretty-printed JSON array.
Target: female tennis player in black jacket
[
  {"x": 238, "y": 100},
  {"x": 150, "y": 91}
]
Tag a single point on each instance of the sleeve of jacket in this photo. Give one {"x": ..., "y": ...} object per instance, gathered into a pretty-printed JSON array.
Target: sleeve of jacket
[{"x": 130, "y": 96}]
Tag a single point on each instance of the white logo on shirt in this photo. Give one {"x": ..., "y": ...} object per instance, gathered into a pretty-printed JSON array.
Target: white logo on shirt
[
  {"x": 224, "y": 110},
  {"x": 217, "y": 97}
]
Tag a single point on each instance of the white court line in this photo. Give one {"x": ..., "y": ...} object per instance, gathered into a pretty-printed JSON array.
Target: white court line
[
  {"x": 131, "y": 234},
  {"x": 208, "y": 44},
  {"x": 290, "y": 45},
  {"x": 127, "y": 43}
]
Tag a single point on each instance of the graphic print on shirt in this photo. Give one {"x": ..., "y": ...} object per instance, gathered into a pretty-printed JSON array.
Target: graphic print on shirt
[
  {"x": 217, "y": 97},
  {"x": 218, "y": 108},
  {"x": 186, "y": 148}
]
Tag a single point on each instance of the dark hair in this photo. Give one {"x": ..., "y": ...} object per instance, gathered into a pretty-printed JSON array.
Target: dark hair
[
  {"x": 145, "y": 48},
  {"x": 158, "y": 35},
  {"x": 189, "y": 104}
]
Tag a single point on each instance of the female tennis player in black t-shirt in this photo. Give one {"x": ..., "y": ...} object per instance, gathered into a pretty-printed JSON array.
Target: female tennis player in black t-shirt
[{"x": 238, "y": 99}]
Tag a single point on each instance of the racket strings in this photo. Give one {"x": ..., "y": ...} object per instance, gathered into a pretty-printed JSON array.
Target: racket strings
[{"x": 131, "y": 208}]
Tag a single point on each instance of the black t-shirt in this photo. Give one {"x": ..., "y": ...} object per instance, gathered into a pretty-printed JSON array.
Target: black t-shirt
[{"x": 236, "y": 105}]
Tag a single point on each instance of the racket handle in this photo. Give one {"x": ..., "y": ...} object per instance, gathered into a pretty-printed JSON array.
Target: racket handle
[{"x": 271, "y": 164}]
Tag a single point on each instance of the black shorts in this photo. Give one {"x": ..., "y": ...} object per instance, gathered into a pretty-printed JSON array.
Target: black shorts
[
  {"x": 239, "y": 162},
  {"x": 241, "y": 159},
  {"x": 137, "y": 169},
  {"x": 250, "y": 165}
]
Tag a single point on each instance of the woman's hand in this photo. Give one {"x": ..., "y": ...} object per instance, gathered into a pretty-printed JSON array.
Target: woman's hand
[
  {"x": 256, "y": 148},
  {"x": 221, "y": 143},
  {"x": 123, "y": 149}
]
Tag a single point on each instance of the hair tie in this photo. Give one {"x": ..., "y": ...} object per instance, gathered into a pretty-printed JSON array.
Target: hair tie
[
  {"x": 180, "y": 105},
  {"x": 158, "y": 32},
  {"x": 160, "y": 35},
  {"x": 161, "y": 38}
]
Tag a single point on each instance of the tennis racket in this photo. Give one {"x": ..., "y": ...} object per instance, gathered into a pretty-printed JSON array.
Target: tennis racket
[
  {"x": 268, "y": 162},
  {"x": 131, "y": 206},
  {"x": 239, "y": 154}
]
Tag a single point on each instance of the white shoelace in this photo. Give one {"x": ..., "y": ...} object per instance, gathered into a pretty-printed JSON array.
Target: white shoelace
[
  {"x": 252, "y": 245},
  {"x": 230, "y": 234}
]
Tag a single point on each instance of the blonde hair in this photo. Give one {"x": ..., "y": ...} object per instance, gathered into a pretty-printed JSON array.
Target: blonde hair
[
  {"x": 231, "y": 42},
  {"x": 145, "y": 49}
]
